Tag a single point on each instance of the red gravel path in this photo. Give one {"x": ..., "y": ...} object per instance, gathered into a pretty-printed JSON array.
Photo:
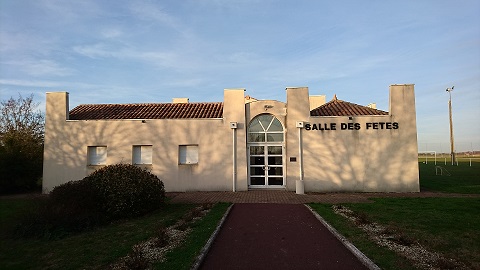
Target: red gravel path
[
  {"x": 277, "y": 236},
  {"x": 289, "y": 197}
]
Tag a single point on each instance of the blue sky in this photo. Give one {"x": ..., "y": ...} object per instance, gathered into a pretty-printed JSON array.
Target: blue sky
[{"x": 106, "y": 51}]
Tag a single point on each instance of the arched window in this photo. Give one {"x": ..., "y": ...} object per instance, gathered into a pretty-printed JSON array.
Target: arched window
[{"x": 265, "y": 128}]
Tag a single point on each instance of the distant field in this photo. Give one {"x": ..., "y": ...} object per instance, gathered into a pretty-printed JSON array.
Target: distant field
[
  {"x": 454, "y": 179},
  {"x": 442, "y": 160}
]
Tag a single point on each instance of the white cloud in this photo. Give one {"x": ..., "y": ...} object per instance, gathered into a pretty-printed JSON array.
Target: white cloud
[
  {"x": 111, "y": 33},
  {"x": 71, "y": 10},
  {"x": 190, "y": 82},
  {"x": 151, "y": 11},
  {"x": 99, "y": 50},
  {"x": 169, "y": 59},
  {"x": 42, "y": 67},
  {"x": 30, "y": 83},
  {"x": 14, "y": 43},
  {"x": 243, "y": 57},
  {"x": 233, "y": 5}
]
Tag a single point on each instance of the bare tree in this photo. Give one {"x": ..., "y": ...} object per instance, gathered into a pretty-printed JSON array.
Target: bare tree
[
  {"x": 20, "y": 115},
  {"x": 21, "y": 144}
]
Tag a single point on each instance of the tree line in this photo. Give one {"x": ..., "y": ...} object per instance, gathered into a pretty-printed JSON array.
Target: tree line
[{"x": 22, "y": 128}]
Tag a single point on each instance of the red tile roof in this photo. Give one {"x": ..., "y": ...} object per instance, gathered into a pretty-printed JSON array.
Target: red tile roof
[
  {"x": 147, "y": 111},
  {"x": 335, "y": 107},
  {"x": 338, "y": 107}
]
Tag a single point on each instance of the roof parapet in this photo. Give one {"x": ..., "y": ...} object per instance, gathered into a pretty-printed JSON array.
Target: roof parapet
[
  {"x": 316, "y": 101},
  {"x": 180, "y": 100}
]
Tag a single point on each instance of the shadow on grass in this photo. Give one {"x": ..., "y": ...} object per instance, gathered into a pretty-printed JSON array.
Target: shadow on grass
[
  {"x": 92, "y": 249},
  {"x": 462, "y": 179}
]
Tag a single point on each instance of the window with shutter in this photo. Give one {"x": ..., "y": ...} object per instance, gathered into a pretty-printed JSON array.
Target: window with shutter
[
  {"x": 142, "y": 155},
  {"x": 96, "y": 155},
  {"x": 188, "y": 154}
]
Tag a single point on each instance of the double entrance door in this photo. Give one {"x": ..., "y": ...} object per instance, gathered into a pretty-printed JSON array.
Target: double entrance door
[{"x": 265, "y": 164}]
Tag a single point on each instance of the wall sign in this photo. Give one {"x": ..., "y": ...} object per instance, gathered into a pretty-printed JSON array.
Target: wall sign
[{"x": 351, "y": 126}]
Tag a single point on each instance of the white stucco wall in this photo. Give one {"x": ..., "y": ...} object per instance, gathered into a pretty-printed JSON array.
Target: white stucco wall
[
  {"x": 364, "y": 160},
  {"x": 66, "y": 143}
]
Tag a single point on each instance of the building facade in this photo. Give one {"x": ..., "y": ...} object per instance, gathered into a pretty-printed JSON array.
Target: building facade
[{"x": 303, "y": 145}]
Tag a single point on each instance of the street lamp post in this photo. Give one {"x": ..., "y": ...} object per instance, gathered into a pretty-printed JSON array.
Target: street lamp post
[{"x": 452, "y": 145}]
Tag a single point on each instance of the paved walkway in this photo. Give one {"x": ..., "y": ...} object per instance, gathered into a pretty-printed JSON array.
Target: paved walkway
[
  {"x": 277, "y": 236},
  {"x": 271, "y": 229},
  {"x": 289, "y": 197}
]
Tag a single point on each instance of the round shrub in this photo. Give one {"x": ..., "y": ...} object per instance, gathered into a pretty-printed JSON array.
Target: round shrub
[
  {"x": 126, "y": 190},
  {"x": 113, "y": 192},
  {"x": 70, "y": 207},
  {"x": 75, "y": 204}
]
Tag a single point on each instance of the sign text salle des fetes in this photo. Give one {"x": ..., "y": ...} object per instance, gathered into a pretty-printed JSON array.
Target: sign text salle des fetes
[{"x": 351, "y": 126}]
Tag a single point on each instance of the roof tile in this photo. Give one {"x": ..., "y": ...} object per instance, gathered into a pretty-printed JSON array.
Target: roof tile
[
  {"x": 338, "y": 107},
  {"x": 147, "y": 111},
  {"x": 335, "y": 107}
]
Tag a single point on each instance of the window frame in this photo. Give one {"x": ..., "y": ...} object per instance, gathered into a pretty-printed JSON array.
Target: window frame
[
  {"x": 93, "y": 156},
  {"x": 188, "y": 154},
  {"x": 145, "y": 152},
  {"x": 262, "y": 136}
]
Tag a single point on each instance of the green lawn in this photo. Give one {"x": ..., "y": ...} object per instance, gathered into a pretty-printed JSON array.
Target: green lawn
[
  {"x": 446, "y": 225},
  {"x": 93, "y": 249},
  {"x": 184, "y": 256},
  {"x": 462, "y": 179},
  {"x": 383, "y": 257}
]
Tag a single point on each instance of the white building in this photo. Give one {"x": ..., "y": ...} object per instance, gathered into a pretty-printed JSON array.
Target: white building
[{"x": 241, "y": 143}]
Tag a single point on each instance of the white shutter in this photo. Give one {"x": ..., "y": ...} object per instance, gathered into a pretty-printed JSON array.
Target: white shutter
[
  {"x": 182, "y": 155},
  {"x": 146, "y": 154},
  {"x": 188, "y": 154},
  {"x": 137, "y": 155},
  {"x": 142, "y": 154},
  {"x": 192, "y": 154},
  {"x": 97, "y": 155}
]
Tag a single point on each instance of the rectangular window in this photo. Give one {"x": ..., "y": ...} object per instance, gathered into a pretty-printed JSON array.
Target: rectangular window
[
  {"x": 97, "y": 155},
  {"x": 188, "y": 154},
  {"x": 142, "y": 155}
]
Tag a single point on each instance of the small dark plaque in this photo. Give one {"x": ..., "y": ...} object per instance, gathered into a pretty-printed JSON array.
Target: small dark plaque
[{"x": 293, "y": 159}]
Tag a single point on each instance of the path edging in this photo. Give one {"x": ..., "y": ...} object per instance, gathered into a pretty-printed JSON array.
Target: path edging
[
  {"x": 364, "y": 259},
  {"x": 203, "y": 253}
]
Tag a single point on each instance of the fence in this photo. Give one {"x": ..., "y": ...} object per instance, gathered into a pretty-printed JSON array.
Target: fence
[{"x": 440, "y": 153}]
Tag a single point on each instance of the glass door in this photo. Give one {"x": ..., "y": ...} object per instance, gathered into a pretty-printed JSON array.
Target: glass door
[
  {"x": 265, "y": 152},
  {"x": 274, "y": 167},
  {"x": 266, "y": 166},
  {"x": 257, "y": 165}
]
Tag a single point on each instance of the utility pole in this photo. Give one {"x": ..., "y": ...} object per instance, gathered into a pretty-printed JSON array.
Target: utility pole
[{"x": 452, "y": 145}]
